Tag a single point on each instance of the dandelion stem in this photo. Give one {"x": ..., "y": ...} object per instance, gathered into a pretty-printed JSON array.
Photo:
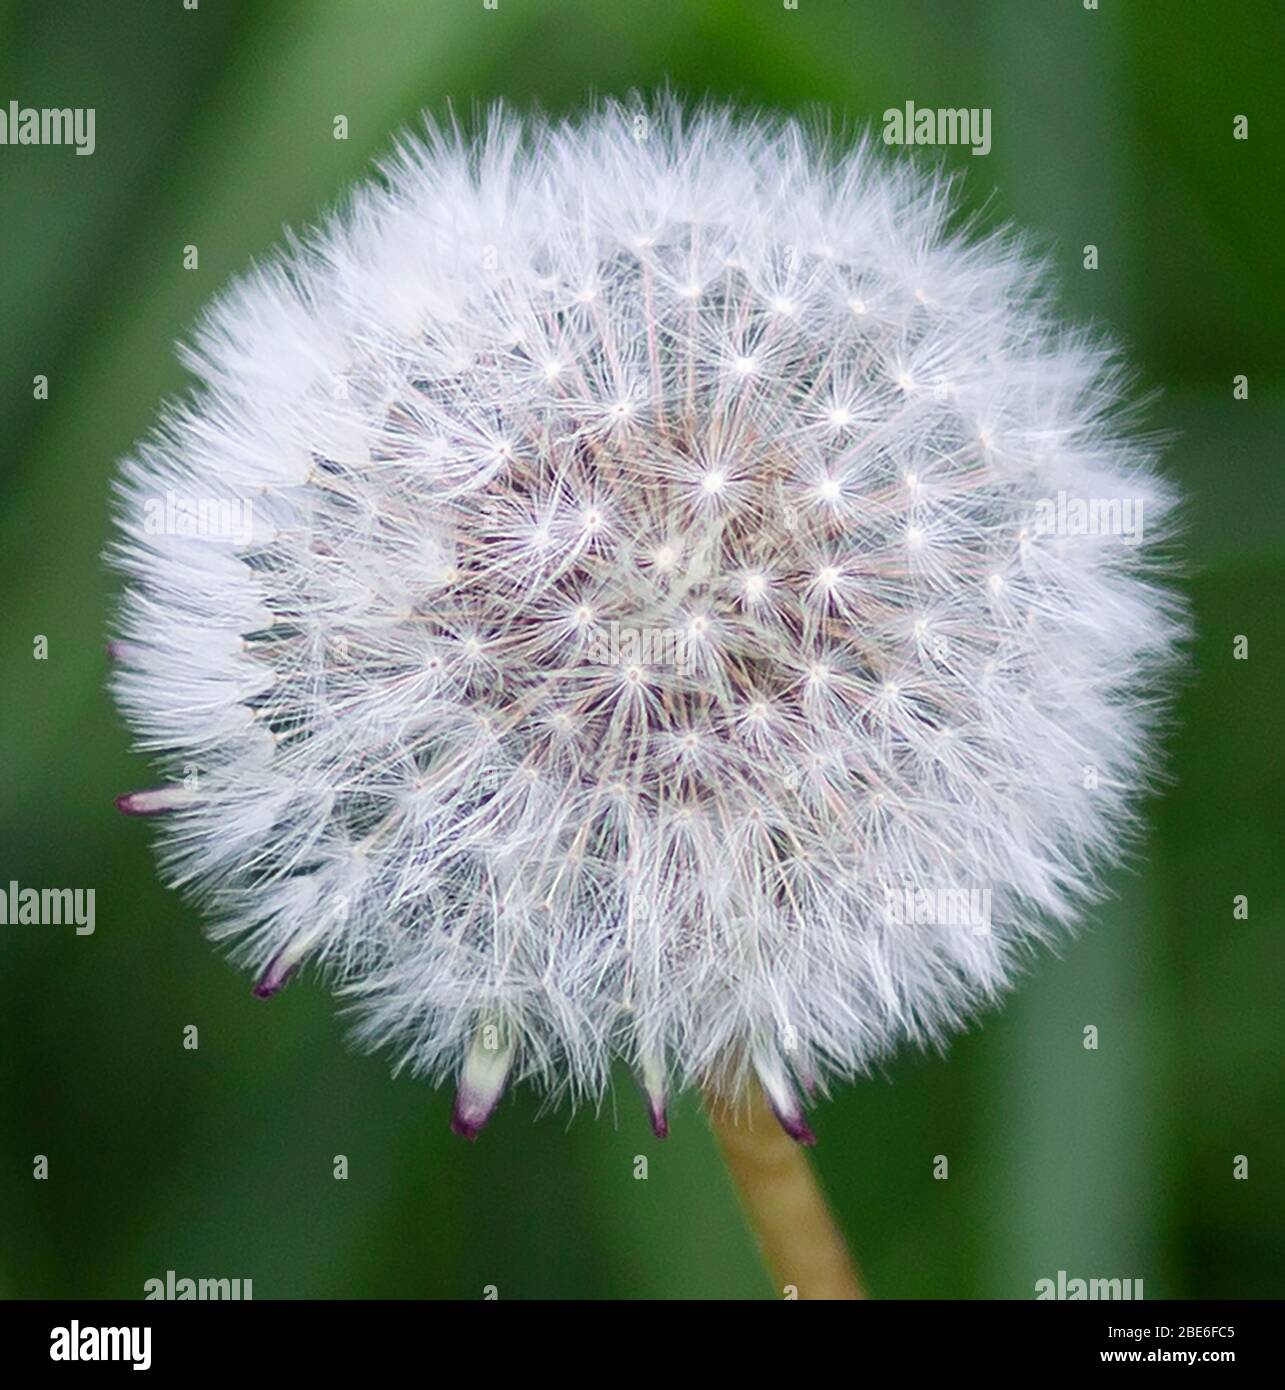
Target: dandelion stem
[{"x": 782, "y": 1200}]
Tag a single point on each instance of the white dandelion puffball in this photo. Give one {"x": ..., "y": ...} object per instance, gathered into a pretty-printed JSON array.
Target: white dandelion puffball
[{"x": 653, "y": 587}]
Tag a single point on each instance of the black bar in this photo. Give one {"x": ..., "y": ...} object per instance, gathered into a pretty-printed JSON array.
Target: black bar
[{"x": 334, "y": 1337}]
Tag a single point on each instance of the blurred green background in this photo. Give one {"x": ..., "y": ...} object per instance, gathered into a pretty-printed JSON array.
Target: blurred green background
[{"x": 214, "y": 127}]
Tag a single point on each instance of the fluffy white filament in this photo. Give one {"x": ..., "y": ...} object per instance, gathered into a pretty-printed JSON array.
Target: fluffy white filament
[{"x": 646, "y": 591}]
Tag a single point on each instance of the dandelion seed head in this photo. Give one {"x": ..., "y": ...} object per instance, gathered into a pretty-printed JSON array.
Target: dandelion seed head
[{"x": 575, "y": 695}]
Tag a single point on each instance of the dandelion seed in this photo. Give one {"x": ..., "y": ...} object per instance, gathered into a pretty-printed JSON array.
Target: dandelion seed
[{"x": 392, "y": 689}]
